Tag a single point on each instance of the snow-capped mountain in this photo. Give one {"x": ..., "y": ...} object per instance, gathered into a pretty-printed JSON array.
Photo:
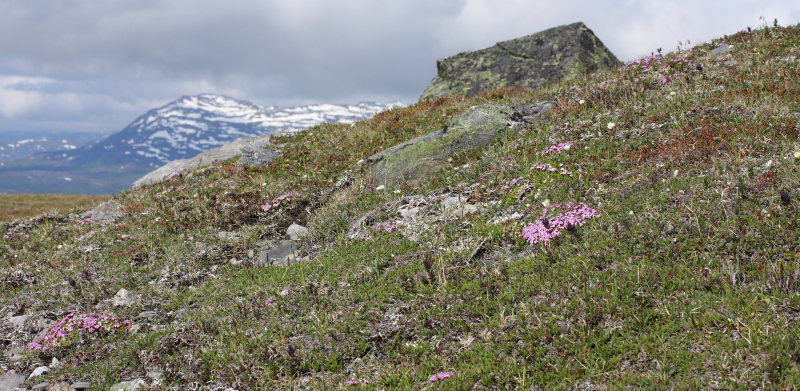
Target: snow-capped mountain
[
  {"x": 193, "y": 124},
  {"x": 19, "y": 145}
]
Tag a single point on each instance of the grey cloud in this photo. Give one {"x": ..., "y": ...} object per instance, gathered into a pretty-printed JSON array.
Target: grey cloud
[{"x": 108, "y": 61}]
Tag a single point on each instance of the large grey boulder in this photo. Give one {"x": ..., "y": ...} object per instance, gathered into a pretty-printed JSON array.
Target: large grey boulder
[
  {"x": 528, "y": 62},
  {"x": 254, "y": 151},
  {"x": 473, "y": 128}
]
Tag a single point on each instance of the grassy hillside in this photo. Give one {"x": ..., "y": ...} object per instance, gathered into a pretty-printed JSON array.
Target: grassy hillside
[
  {"x": 17, "y": 206},
  {"x": 681, "y": 272}
]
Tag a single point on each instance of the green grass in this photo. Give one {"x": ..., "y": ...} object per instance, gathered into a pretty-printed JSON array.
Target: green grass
[
  {"x": 16, "y": 206},
  {"x": 688, "y": 280}
]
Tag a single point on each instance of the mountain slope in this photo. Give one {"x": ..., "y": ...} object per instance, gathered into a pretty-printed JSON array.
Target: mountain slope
[{"x": 677, "y": 265}]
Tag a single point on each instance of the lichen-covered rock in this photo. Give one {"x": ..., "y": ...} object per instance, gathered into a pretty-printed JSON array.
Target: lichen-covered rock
[
  {"x": 528, "y": 62},
  {"x": 473, "y": 128}
]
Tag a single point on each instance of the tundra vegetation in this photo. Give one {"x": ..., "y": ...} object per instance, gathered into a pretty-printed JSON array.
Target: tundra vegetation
[{"x": 672, "y": 183}]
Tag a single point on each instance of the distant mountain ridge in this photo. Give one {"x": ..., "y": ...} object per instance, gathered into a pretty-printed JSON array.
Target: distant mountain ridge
[
  {"x": 178, "y": 130},
  {"x": 19, "y": 145},
  {"x": 193, "y": 124}
]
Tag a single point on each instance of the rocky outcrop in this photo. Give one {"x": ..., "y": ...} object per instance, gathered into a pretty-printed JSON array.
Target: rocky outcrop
[
  {"x": 255, "y": 151},
  {"x": 528, "y": 62},
  {"x": 473, "y": 128}
]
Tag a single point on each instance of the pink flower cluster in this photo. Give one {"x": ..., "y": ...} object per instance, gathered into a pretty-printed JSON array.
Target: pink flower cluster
[
  {"x": 664, "y": 67},
  {"x": 511, "y": 183},
  {"x": 559, "y": 147},
  {"x": 440, "y": 376},
  {"x": 86, "y": 221},
  {"x": 386, "y": 226},
  {"x": 277, "y": 201},
  {"x": 72, "y": 326},
  {"x": 548, "y": 167},
  {"x": 551, "y": 225},
  {"x": 353, "y": 383}
]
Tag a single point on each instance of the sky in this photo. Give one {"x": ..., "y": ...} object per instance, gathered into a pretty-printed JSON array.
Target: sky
[{"x": 88, "y": 65}]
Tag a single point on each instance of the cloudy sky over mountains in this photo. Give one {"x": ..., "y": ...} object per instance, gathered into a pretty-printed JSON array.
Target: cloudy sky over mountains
[{"x": 95, "y": 65}]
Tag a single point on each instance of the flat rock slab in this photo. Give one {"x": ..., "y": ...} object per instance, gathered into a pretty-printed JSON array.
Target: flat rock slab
[
  {"x": 256, "y": 151},
  {"x": 473, "y": 128},
  {"x": 529, "y": 62}
]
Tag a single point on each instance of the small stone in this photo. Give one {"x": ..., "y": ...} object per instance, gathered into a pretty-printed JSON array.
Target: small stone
[
  {"x": 408, "y": 212},
  {"x": 721, "y": 49},
  {"x": 156, "y": 377},
  {"x": 124, "y": 298},
  {"x": 452, "y": 202},
  {"x": 19, "y": 320},
  {"x": 41, "y": 386},
  {"x": 14, "y": 353},
  {"x": 129, "y": 385},
  {"x": 297, "y": 232},
  {"x": 228, "y": 236},
  {"x": 465, "y": 210},
  {"x": 10, "y": 380},
  {"x": 39, "y": 371},
  {"x": 149, "y": 315},
  {"x": 54, "y": 362},
  {"x": 81, "y": 385},
  {"x": 279, "y": 255}
]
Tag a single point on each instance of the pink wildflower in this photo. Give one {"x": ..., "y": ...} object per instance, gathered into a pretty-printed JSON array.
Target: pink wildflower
[
  {"x": 71, "y": 326},
  {"x": 551, "y": 225},
  {"x": 440, "y": 376},
  {"x": 664, "y": 79},
  {"x": 86, "y": 221},
  {"x": 559, "y": 147},
  {"x": 276, "y": 202},
  {"x": 386, "y": 226},
  {"x": 549, "y": 168},
  {"x": 512, "y": 182}
]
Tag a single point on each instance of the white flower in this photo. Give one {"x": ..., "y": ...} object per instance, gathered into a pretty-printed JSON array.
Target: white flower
[
  {"x": 673, "y": 93},
  {"x": 360, "y": 162},
  {"x": 397, "y": 191},
  {"x": 546, "y": 203},
  {"x": 379, "y": 188},
  {"x": 630, "y": 213},
  {"x": 797, "y": 155},
  {"x": 675, "y": 173},
  {"x": 611, "y": 125},
  {"x": 769, "y": 163},
  {"x": 567, "y": 147},
  {"x": 581, "y": 102}
]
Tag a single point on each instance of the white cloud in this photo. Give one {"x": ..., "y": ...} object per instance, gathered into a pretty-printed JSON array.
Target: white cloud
[{"x": 16, "y": 96}]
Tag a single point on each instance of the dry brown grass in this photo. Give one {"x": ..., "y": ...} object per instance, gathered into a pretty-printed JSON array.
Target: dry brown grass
[{"x": 15, "y": 206}]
